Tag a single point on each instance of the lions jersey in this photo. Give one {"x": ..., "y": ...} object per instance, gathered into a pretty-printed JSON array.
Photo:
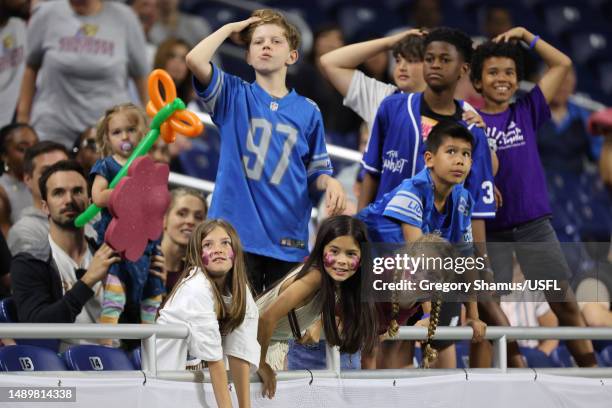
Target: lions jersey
[
  {"x": 412, "y": 202},
  {"x": 397, "y": 145},
  {"x": 272, "y": 149}
]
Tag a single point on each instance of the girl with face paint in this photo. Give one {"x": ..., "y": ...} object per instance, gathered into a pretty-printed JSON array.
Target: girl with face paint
[
  {"x": 117, "y": 134},
  {"x": 213, "y": 299},
  {"x": 326, "y": 287}
]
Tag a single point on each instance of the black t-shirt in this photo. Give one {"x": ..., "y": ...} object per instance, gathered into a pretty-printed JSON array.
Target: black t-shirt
[{"x": 429, "y": 118}]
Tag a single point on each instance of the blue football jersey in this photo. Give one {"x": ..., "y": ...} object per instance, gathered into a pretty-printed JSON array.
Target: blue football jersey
[
  {"x": 396, "y": 148},
  {"x": 412, "y": 202},
  {"x": 272, "y": 149}
]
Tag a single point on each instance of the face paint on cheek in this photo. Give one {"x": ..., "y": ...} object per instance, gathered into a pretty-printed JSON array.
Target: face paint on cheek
[
  {"x": 205, "y": 257},
  {"x": 354, "y": 262},
  {"x": 231, "y": 255},
  {"x": 329, "y": 260}
]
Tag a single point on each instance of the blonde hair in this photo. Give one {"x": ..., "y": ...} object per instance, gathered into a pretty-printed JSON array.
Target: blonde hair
[
  {"x": 177, "y": 193},
  {"x": 268, "y": 16},
  {"x": 229, "y": 317},
  {"x": 135, "y": 115},
  {"x": 434, "y": 246}
]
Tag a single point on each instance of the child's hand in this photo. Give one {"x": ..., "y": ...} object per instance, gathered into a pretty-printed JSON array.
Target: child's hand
[
  {"x": 473, "y": 118},
  {"x": 479, "y": 327},
  {"x": 268, "y": 379},
  {"x": 157, "y": 266},
  {"x": 516, "y": 33},
  {"x": 238, "y": 26},
  {"x": 399, "y": 36},
  {"x": 335, "y": 197}
]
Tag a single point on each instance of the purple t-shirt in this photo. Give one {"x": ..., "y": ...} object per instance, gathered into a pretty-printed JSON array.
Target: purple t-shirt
[{"x": 520, "y": 178}]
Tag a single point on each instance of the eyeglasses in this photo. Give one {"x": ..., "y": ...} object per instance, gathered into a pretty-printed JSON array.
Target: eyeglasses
[{"x": 89, "y": 143}]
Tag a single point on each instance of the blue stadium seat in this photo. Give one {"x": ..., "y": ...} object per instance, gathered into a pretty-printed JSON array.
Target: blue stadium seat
[
  {"x": 362, "y": 22},
  {"x": 536, "y": 358},
  {"x": 136, "y": 358},
  {"x": 604, "y": 71},
  {"x": 8, "y": 314},
  {"x": 96, "y": 358},
  {"x": 590, "y": 47},
  {"x": 562, "y": 18},
  {"x": 218, "y": 16},
  {"x": 606, "y": 356},
  {"x": 202, "y": 159},
  {"x": 29, "y": 358},
  {"x": 561, "y": 357}
]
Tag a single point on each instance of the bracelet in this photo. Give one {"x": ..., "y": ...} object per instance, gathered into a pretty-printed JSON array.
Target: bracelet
[
  {"x": 425, "y": 316},
  {"x": 533, "y": 42}
]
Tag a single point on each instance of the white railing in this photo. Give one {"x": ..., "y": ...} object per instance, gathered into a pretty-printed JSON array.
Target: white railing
[{"x": 149, "y": 333}]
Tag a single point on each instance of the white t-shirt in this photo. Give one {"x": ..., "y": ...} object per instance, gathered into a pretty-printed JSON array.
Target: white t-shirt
[
  {"x": 67, "y": 267},
  {"x": 193, "y": 305},
  {"x": 12, "y": 64},
  {"x": 365, "y": 95},
  {"x": 525, "y": 311}
]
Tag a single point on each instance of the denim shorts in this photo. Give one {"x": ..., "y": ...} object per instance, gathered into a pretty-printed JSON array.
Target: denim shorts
[{"x": 312, "y": 357}]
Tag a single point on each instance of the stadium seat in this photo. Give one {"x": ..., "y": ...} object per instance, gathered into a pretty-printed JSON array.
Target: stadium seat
[
  {"x": 359, "y": 23},
  {"x": 604, "y": 71},
  {"x": 587, "y": 47},
  {"x": 136, "y": 358},
  {"x": 96, "y": 358},
  {"x": 202, "y": 159},
  {"x": 218, "y": 16},
  {"x": 29, "y": 358},
  {"x": 8, "y": 314},
  {"x": 536, "y": 358},
  {"x": 561, "y": 357},
  {"x": 606, "y": 356},
  {"x": 563, "y": 18}
]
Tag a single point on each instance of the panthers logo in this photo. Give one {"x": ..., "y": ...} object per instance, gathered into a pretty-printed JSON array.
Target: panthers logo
[
  {"x": 8, "y": 42},
  {"x": 88, "y": 30}
]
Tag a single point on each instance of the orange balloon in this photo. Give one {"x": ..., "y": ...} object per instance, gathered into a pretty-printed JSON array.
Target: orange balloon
[{"x": 184, "y": 122}]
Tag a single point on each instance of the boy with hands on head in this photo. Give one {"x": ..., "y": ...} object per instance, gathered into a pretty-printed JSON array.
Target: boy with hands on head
[{"x": 273, "y": 148}]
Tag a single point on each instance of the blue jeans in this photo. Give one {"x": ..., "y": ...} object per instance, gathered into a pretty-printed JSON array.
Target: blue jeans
[{"x": 312, "y": 357}]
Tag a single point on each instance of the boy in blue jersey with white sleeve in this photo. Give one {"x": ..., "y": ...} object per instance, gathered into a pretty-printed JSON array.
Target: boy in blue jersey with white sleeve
[
  {"x": 434, "y": 201},
  {"x": 272, "y": 146}
]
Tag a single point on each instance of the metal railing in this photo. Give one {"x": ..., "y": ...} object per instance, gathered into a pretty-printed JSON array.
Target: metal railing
[{"x": 150, "y": 333}]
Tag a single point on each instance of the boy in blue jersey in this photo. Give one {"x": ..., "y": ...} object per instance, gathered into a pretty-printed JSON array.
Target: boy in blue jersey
[
  {"x": 272, "y": 146},
  {"x": 522, "y": 225},
  {"x": 433, "y": 201}
]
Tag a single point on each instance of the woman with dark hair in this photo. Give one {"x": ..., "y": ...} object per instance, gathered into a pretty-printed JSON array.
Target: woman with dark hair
[
  {"x": 15, "y": 139},
  {"x": 327, "y": 287}
]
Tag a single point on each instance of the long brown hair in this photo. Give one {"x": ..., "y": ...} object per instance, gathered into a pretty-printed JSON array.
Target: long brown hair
[
  {"x": 357, "y": 312},
  {"x": 231, "y": 316}
]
